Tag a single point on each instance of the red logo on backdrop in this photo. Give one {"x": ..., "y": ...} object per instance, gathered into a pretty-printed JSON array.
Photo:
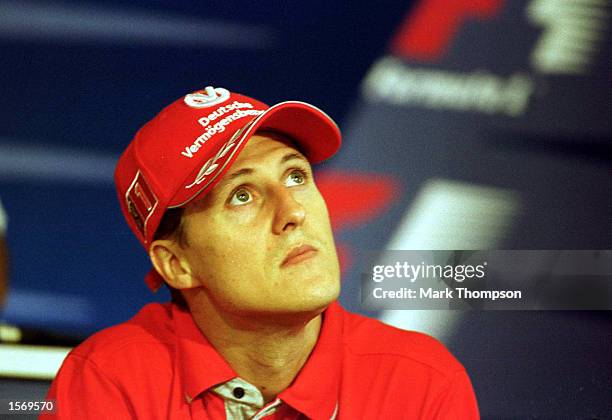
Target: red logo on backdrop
[
  {"x": 140, "y": 201},
  {"x": 353, "y": 199},
  {"x": 427, "y": 32}
]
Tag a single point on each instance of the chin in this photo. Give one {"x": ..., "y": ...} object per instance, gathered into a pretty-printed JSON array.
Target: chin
[
  {"x": 313, "y": 300},
  {"x": 320, "y": 297}
]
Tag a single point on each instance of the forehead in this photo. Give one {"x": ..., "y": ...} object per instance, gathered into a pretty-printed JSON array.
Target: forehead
[{"x": 264, "y": 149}]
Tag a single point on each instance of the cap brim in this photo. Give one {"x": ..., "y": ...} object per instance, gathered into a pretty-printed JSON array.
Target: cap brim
[{"x": 314, "y": 132}]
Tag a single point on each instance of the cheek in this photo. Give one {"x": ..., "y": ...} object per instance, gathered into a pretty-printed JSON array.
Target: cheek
[
  {"x": 241, "y": 216},
  {"x": 228, "y": 257},
  {"x": 317, "y": 208}
]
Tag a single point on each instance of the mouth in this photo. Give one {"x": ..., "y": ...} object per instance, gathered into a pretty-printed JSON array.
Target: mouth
[{"x": 299, "y": 254}]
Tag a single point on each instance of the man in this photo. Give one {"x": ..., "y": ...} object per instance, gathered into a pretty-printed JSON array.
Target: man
[{"x": 219, "y": 189}]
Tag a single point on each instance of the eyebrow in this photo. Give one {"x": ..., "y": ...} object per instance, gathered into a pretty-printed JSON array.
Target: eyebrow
[{"x": 246, "y": 171}]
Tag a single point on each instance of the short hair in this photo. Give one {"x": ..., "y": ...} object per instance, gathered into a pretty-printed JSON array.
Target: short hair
[{"x": 171, "y": 226}]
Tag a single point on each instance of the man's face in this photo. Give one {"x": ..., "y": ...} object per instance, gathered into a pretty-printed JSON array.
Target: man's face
[{"x": 261, "y": 240}]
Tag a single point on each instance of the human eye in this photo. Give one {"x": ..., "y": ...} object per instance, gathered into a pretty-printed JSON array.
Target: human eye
[
  {"x": 296, "y": 177},
  {"x": 240, "y": 197}
]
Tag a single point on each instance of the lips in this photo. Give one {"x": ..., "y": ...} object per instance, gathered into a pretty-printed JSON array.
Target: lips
[{"x": 299, "y": 254}]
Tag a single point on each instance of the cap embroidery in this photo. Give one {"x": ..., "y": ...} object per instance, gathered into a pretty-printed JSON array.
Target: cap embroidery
[
  {"x": 211, "y": 164},
  {"x": 208, "y": 97},
  {"x": 140, "y": 201},
  {"x": 218, "y": 127}
]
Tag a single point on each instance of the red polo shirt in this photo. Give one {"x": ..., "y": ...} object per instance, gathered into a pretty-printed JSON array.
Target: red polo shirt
[{"x": 158, "y": 365}]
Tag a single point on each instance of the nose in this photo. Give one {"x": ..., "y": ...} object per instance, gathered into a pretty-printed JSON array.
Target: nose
[{"x": 289, "y": 213}]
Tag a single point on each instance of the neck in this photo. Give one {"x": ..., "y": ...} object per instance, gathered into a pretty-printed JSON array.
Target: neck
[{"x": 262, "y": 351}]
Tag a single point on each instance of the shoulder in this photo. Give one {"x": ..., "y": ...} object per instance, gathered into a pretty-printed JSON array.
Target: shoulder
[
  {"x": 110, "y": 370},
  {"x": 369, "y": 338},
  {"x": 413, "y": 371},
  {"x": 149, "y": 333}
]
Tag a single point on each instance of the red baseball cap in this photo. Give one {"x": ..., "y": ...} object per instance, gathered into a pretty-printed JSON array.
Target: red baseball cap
[{"x": 183, "y": 152}]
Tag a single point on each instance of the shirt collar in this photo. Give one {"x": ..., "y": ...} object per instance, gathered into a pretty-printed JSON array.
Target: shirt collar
[
  {"x": 314, "y": 392},
  {"x": 200, "y": 364}
]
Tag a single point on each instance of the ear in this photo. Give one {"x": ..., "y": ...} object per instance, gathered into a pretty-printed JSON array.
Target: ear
[{"x": 169, "y": 260}]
